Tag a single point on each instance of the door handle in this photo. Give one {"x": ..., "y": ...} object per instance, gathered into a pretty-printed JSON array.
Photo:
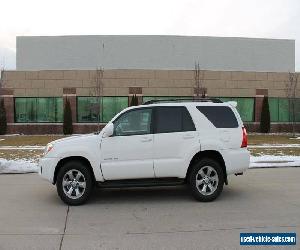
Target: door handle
[
  {"x": 188, "y": 137},
  {"x": 146, "y": 140}
]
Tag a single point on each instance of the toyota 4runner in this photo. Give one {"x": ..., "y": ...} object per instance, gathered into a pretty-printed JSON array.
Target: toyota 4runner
[{"x": 194, "y": 142}]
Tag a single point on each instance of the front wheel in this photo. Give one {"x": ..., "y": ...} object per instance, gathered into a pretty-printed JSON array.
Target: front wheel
[
  {"x": 206, "y": 180},
  {"x": 74, "y": 183}
]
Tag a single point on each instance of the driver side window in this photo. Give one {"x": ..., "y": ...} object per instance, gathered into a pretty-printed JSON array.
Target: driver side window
[{"x": 135, "y": 122}]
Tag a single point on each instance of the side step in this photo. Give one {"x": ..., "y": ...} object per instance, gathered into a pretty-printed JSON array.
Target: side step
[{"x": 141, "y": 183}]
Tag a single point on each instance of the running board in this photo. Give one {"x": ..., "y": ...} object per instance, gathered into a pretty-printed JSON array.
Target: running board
[{"x": 141, "y": 183}]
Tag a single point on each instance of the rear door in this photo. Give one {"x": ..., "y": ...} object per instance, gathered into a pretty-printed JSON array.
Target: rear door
[{"x": 174, "y": 137}]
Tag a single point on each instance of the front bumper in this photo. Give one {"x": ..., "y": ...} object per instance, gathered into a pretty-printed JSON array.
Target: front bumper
[{"x": 47, "y": 168}]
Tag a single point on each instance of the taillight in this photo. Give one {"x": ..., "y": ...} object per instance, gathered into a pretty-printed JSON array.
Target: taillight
[{"x": 245, "y": 138}]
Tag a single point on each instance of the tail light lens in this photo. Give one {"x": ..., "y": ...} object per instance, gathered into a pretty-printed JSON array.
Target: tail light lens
[{"x": 245, "y": 138}]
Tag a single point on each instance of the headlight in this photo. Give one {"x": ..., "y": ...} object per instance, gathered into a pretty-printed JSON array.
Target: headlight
[{"x": 48, "y": 148}]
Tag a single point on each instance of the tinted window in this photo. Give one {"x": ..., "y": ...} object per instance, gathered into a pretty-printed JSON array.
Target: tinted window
[
  {"x": 187, "y": 122},
  {"x": 173, "y": 119},
  {"x": 135, "y": 122},
  {"x": 219, "y": 116}
]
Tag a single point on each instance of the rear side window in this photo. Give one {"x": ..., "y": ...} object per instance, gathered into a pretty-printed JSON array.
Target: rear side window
[
  {"x": 219, "y": 116},
  {"x": 173, "y": 119}
]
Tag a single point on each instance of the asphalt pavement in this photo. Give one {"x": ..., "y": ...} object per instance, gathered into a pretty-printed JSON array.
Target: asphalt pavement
[{"x": 262, "y": 200}]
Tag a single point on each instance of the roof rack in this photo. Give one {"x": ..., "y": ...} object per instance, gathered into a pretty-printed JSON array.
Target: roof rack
[{"x": 196, "y": 99}]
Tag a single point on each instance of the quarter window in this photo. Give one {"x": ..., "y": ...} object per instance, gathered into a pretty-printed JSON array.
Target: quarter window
[
  {"x": 135, "y": 122},
  {"x": 219, "y": 116}
]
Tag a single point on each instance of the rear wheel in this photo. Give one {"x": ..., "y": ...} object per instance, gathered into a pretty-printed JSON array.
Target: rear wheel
[
  {"x": 206, "y": 180},
  {"x": 74, "y": 183}
]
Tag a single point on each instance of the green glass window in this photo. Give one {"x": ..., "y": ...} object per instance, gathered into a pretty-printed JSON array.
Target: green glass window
[
  {"x": 112, "y": 106},
  {"x": 281, "y": 109},
  {"x": 273, "y": 107},
  {"x": 25, "y": 109},
  {"x": 89, "y": 109},
  {"x": 32, "y": 109},
  {"x": 245, "y": 106}
]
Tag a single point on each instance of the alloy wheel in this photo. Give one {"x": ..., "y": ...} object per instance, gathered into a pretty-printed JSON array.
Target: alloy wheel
[
  {"x": 74, "y": 184},
  {"x": 207, "y": 180}
]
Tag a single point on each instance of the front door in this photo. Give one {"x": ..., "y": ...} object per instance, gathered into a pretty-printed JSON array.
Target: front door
[{"x": 128, "y": 153}]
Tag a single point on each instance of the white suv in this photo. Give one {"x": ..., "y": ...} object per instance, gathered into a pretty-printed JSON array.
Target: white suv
[{"x": 159, "y": 143}]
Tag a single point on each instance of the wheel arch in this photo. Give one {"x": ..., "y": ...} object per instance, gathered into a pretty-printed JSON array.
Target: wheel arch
[
  {"x": 63, "y": 161},
  {"x": 212, "y": 154}
]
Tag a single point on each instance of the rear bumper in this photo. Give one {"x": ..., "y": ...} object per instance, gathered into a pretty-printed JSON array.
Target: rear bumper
[
  {"x": 47, "y": 168},
  {"x": 236, "y": 160}
]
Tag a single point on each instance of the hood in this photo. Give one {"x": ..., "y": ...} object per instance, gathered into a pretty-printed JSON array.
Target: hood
[{"x": 76, "y": 137}]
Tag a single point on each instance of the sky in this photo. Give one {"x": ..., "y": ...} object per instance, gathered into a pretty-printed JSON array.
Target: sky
[{"x": 226, "y": 18}]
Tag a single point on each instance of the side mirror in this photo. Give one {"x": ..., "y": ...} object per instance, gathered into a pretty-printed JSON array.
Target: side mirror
[{"x": 108, "y": 130}]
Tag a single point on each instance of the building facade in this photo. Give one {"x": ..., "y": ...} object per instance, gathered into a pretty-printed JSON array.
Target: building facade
[{"x": 51, "y": 70}]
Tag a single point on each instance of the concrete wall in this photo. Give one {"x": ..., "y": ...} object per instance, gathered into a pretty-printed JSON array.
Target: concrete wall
[{"x": 155, "y": 52}]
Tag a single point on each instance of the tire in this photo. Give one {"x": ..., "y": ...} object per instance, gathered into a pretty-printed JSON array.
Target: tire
[
  {"x": 206, "y": 172},
  {"x": 74, "y": 183}
]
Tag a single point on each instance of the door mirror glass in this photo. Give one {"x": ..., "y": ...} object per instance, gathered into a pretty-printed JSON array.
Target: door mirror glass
[{"x": 108, "y": 130}]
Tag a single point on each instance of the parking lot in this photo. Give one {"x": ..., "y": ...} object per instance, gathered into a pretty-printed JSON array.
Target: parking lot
[{"x": 33, "y": 217}]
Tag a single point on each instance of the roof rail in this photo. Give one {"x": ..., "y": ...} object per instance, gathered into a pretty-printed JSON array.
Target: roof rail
[{"x": 195, "y": 99}]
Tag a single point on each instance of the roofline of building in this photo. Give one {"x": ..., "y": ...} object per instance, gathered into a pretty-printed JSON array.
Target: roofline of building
[{"x": 163, "y": 36}]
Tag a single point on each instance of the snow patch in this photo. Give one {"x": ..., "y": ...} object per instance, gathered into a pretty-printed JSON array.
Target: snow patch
[
  {"x": 22, "y": 147},
  {"x": 273, "y": 146},
  {"x": 11, "y": 135},
  {"x": 274, "y": 161},
  {"x": 17, "y": 166}
]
